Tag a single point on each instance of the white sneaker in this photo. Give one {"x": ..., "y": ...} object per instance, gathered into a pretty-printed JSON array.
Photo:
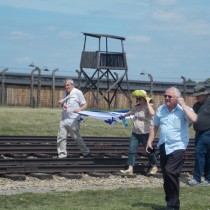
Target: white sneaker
[
  {"x": 153, "y": 170},
  {"x": 205, "y": 183},
  {"x": 130, "y": 172},
  {"x": 193, "y": 182}
]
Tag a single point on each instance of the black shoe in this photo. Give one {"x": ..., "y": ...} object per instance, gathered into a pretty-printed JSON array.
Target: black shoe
[{"x": 88, "y": 155}]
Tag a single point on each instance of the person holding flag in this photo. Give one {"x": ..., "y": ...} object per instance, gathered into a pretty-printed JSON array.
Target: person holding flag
[
  {"x": 142, "y": 122},
  {"x": 73, "y": 103}
]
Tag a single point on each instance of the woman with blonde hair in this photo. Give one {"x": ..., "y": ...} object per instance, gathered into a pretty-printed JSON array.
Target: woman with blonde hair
[{"x": 142, "y": 122}]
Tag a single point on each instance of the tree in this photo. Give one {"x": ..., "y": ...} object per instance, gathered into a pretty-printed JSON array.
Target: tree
[
  {"x": 191, "y": 81},
  {"x": 207, "y": 81}
]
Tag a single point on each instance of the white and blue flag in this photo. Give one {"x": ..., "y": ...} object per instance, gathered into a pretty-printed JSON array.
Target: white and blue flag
[{"x": 108, "y": 117}]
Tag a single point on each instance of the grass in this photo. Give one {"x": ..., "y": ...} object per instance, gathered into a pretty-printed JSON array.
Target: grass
[
  {"x": 18, "y": 121},
  {"x": 44, "y": 122},
  {"x": 192, "y": 198},
  {"x": 21, "y": 121}
]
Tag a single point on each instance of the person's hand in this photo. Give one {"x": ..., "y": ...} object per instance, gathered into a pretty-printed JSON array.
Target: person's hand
[
  {"x": 60, "y": 101},
  {"x": 149, "y": 147},
  {"x": 77, "y": 110},
  {"x": 122, "y": 116},
  {"x": 181, "y": 101},
  {"x": 147, "y": 100}
]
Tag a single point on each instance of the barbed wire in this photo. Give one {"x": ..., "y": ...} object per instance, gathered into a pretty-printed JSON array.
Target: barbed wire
[{"x": 73, "y": 72}]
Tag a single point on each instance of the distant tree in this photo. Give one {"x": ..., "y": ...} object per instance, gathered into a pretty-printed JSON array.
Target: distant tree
[
  {"x": 207, "y": 81},
  {"x": 191, "y": 81}
]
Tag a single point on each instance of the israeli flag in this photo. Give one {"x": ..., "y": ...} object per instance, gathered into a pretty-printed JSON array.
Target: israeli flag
[{"x": 108, "y": 117}]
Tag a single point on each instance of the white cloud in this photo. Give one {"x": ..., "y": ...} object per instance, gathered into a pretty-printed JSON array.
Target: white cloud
[
  {"x": 166, "y": 2},
  {"x": 199, "y": 27},
  {"x": 190, "y": 28},
  {"x": 19, "y": 35},
  {"x": 167, "y": 16},
  {"x": 123, "y": 9},
  {"x": 49, "y": 30}
]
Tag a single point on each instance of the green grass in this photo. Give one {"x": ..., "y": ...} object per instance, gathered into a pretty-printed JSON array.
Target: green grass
[
  {"x": 20, "y": 121},
  {"x": 192, "y": 198}
]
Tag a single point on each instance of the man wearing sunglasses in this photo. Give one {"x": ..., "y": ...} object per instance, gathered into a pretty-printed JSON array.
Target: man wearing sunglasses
[{"x": 173, "y": 119}]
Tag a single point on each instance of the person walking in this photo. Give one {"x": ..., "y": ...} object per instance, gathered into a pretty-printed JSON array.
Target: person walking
[
  {"x": 173, "y": 119},
  {"x": 142, "y": 121},
  {"x": 70, "y": 120},
  {"x": 202, "y": 137}
]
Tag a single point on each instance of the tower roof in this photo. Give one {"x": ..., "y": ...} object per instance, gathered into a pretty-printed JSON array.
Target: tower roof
[{"x": 104, "y": 35}]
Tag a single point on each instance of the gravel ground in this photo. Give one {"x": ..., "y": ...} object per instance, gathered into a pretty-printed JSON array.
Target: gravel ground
[{"x": 58, "y": 183}]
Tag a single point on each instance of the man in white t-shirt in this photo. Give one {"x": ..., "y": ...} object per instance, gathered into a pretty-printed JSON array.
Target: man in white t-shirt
[{"x": 73, "y": 103}]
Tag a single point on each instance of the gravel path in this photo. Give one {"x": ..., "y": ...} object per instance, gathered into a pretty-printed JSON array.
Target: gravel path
[{"x": 35, "y": 185}]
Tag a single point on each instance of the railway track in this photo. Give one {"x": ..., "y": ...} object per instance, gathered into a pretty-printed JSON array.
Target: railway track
[{"x": 38, "y": 154}]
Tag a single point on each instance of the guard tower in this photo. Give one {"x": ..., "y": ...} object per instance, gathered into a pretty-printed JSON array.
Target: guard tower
[{"x": 99, "y": 70}]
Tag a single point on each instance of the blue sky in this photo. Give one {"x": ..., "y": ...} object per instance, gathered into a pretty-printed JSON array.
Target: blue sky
[{"x": 166, "y": 38}]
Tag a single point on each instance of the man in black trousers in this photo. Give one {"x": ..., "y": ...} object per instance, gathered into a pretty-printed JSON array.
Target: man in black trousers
[
  {"x": 202, "y": 137},
  {"x": 173, "y": 118}
]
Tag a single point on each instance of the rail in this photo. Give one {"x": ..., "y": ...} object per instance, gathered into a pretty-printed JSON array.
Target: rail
[{"x": 29, "y": 154}]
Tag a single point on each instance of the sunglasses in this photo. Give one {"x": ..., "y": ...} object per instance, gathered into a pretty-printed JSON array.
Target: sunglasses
[{"x": 165, "y": 96}]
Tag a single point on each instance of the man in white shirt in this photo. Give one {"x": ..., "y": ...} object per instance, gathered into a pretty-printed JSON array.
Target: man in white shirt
[{"x": 73, "y": 103}]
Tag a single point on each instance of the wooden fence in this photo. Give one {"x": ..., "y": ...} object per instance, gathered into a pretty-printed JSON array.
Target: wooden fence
[{"x": 17, "y": 92}]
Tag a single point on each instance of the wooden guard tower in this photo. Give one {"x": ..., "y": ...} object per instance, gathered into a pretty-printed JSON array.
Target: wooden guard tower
[{"x": 104, "y": 63}]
